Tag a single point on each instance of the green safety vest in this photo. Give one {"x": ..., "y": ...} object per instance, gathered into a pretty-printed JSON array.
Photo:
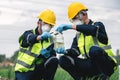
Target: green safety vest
[
  {"x": 91, "y": 41},
  {"x": 85, "y": 43},
  {"x": 27, "y": 56}
]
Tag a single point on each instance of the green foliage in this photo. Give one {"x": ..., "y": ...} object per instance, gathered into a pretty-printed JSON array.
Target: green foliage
[
  {"x": 2, "y": 57},
  {"x": 14, "y": 56},
  {"x": 115, "y": 76},
  {"x": 3, "y": 72},
  {"x": 8, "y": 72},
  {"x": 11, "y": 59},
  {"x": 118, "y": 59},
  {"x": 62, "y": 75}
]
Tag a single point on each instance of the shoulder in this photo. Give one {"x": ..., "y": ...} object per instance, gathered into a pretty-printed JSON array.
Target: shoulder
[
  {"x": 28, "y": 31},
  {"x": 24, "y": 34},
  {"x": 100, "y": 24}
]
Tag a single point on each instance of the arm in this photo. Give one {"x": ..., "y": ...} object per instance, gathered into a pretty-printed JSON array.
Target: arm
[
  {"x": 92, "y": 30},
  {"x": 102, "y": 35},
  {"x": 74, "y": 50},
  {"x": 87, "y": 29},
  {"x": 28, "y": 39}
]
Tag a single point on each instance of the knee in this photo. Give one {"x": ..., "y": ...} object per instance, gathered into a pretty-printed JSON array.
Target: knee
[
  {"x": 96, "y": 52},
  {"x": 62, "y": 60},
  {"x": 52, "y": 61},
  {"x": 65, "y": 61}
]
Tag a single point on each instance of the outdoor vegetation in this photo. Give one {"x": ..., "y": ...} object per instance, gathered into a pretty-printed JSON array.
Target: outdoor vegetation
[{"x": 7, "y": 72}]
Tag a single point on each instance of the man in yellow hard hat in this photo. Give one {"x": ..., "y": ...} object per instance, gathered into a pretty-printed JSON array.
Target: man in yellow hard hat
[
  {"x": 91, "y": 41},
  {"x": 37, "y": 58}
]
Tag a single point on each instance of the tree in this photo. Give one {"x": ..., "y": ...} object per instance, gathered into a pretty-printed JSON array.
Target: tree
[
  {"x": 14, "y": 57},
  {"x": 2, "y": 57}
]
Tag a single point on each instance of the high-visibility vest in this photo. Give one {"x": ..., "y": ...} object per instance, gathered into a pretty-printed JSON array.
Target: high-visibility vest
[
  {"x": 27, "y": 56},
  {"x": 89, "y": 41},
  {"x": 85, "y": 43}
]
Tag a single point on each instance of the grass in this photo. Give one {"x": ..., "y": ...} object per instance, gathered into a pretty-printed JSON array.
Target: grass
[
  {"x": 7, "y": 72},
  {"x": 115, "y": 76},
  {"x": 63, "y": 75}
]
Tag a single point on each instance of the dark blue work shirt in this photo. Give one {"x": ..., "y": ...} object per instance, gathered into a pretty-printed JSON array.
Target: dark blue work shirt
[
  {"x": 29, "y": 38},
  {"x": 91, "y": 29}
]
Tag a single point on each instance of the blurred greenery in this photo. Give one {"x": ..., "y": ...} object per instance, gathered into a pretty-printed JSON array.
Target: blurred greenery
[
  {"x": 2, "y": 57},
  {"x": 118, "y": 59},
  {"x": 62, "y": 75},
  {"x": 11, "y": 59},
  {"x": 8, "y": 72},
  {"x": 115, "y": 76},
  {"x": 14, "y": 56}
]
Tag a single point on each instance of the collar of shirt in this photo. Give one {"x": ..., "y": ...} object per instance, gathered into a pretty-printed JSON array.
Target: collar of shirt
[
  {"x": 90, "y": 22},
  {"x": 36, "y": 31}
]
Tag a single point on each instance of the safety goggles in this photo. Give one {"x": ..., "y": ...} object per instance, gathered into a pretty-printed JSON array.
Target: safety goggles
[
  {"x": 83, "y": 12},
  {"x": 44, "y": 23}
]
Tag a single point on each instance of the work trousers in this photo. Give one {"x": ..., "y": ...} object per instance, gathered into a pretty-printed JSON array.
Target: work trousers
[
  {"x": 23, "y": 75},
  {"x": 98, "y": 63},
  {"x": 46, "y": 70}
]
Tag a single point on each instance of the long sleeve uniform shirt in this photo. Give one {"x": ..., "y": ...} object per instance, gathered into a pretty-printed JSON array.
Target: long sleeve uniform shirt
[{"x": 91, "y": 29}]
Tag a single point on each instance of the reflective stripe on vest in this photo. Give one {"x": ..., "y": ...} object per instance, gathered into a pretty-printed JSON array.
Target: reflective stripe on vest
[
  {"x": 28, "y": 52},
  {"x": 97, "y": 44},
  {"x": 27, "y": 56},
  {"x": 91, "y": 41},
  {"x": 24, "y": 64}
]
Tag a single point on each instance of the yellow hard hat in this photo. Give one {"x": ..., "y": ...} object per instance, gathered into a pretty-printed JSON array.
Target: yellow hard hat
[
  {"x": 48, "y": 16},
  {"x": 74, "y": 8}
]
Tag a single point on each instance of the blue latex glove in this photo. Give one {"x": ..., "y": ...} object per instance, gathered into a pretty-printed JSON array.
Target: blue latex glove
[
  {"x": 63, "y": 27},
  {"x": 61, "y": 50},
  {"x": 45, "y": 53},
  {"x": 45, "y": 35}
]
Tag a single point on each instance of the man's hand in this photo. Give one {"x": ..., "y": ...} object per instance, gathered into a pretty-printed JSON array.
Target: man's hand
[
  {"x": 45, "y": 53},
  {"x": 63, "y": 27},
  {"x": 61, "y": 50},
  {"x": 45, "y": 35}
]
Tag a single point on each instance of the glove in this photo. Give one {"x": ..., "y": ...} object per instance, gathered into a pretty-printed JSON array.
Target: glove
[
  {"x": 45, "y": 35},
  {"x": 61, "y": 50},
  {"x": 45, "y": 53},
  {"x": 63, "y": 27}
]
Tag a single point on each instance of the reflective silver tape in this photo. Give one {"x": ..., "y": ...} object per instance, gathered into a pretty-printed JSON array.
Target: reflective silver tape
[
  {"x": 23, "y": 64},
  {"x": 97, "y": 31},
  {"x": 28, "y": 52},
  {"x": 107, "y": 47},
  {"x": 95, "y": 38},
  {"x": 28, "y": 38},
  {"x": 76, "y": 51},
  {"x": 78, "y": 35},
  {"x": 95, "y": 41},
  {"x": 71, "y": 59},
  {"x": 104, "y": 47},
  {"x": 48, "y": 60}
]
